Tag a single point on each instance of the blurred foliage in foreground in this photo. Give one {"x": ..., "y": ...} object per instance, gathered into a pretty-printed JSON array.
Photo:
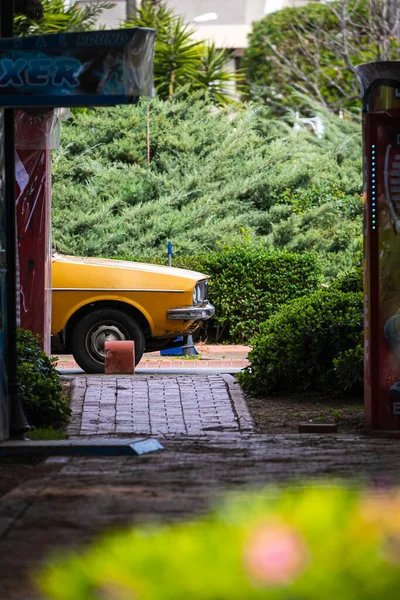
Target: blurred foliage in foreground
[
  {"x": 217, "y": 177},
  {"x": 303, "y": 544}
]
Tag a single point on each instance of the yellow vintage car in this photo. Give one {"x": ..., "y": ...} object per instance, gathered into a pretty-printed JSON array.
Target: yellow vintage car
[{"x": 95, "y": 300}]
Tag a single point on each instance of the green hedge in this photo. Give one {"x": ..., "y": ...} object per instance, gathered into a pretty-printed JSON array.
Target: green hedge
[
  {"x": 309, "y": 345},
  {"x": 40, "y": 385},
  {"x": 314, "y": 543},
  {"x": 249, "y": 284},
  {"x": 351, "y": 280}
]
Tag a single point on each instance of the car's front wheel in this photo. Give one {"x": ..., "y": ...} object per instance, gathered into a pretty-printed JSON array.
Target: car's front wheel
[{"x": 97, "y": 327}]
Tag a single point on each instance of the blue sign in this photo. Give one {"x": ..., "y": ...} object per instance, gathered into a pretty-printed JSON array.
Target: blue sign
[{"x": 77, "y": 69}]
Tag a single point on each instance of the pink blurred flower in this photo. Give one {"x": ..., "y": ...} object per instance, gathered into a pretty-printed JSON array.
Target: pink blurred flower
[
  {"x": 275, "y": 554},
  {"x": 114, "y": 591}
]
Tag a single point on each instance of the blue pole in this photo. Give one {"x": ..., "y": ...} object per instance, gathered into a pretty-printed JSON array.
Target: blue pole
[{"x": 170, "y": 253}]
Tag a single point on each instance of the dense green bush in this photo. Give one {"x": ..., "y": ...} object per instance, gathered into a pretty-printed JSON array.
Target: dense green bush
[
  {"x": 248, "y": 284},
  {"x": 309, "y": 543},
  {"x": 349, "y": 370},
  {"x": 350, "y": 280},
  {"x": 40, "y": 385},
  {"x": 297, "y": 347},
  {"x": 217, "y": 176},
  {"x": 327, "y": 229}
]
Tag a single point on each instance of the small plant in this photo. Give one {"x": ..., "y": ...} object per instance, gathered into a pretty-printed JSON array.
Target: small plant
[
  {"x": 321, "y": 418},
  {"x": 313, "y": 343},
  {"x": 47, "y": 433},
  {"x": 304, "y": 544},
  {"x": 40, "y": 385}
]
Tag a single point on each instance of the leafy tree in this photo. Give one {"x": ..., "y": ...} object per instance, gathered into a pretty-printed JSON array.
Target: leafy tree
[
  {"x": 54, "y": 16},
  {"x": 314, "y": 49},
  {"x": 180, "y": 60}
]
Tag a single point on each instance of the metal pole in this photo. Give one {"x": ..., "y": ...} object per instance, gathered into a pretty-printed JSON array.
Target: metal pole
[
  {"x": 18, "y": 422},
  {"x": 170, "y": 254}
]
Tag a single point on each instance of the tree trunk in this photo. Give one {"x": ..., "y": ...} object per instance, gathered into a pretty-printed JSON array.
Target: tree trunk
[
  {"x": 394, "y": 16},
  {"x": 130, "y": 9}
]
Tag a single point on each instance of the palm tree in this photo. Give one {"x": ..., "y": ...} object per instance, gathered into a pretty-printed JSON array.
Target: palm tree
[
  {"x": 177, "y": 54},
  {"x": 213, "y": 76},
  {"x": 180, "y": 60}
]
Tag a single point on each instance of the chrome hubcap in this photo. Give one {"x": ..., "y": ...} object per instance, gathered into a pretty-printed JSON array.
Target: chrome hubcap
[{"x": 100, "y": 334}]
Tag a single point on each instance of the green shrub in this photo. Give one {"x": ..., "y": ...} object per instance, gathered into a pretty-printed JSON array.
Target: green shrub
[
  {"x": 40, "y": 385},
  {"x": 349, "y": 369},
  {"x": 248, "y": 284},
  {"x": 295, "y": 544},
  {"x": 326, "y": 229},
  {"x": 302, "y": 199},
  {"x": 216, "y": 176},
  {"x": 296, "y": 348},
  {"x": 350, "y": 280}
]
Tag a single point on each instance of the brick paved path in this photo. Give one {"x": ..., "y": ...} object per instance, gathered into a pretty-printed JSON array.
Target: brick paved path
[{"x": 157, "y": 405}]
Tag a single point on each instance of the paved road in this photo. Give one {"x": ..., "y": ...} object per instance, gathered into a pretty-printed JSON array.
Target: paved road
[{"x": 71, "y": 501}]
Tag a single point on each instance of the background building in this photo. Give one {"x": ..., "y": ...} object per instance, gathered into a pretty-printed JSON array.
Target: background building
[{"x": 227, "y": 23}]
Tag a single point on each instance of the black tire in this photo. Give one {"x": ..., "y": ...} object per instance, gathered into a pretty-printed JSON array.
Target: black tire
[{"x": 89, "y": 334}]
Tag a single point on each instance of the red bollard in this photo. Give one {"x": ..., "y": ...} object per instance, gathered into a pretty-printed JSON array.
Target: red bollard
[{"x": 120, "y": 357}]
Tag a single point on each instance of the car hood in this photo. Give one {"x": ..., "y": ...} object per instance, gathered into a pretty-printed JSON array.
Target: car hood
[{"x": 130, "y": 266}]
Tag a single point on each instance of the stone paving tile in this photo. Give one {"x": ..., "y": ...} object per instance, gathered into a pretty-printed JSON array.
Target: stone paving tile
[{"x": 157, "y": 405}]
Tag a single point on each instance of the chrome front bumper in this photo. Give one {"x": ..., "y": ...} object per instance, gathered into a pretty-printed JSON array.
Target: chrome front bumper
[{"x": 192, "y": 313}]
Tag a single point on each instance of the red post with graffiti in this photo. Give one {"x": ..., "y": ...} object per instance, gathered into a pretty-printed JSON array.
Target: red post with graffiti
[
  {"x": 34, "y": 139},
  {"x": 380, "y": 83}
]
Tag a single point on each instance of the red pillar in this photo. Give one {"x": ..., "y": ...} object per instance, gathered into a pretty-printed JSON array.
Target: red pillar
[{"x": 33, "y": 181}]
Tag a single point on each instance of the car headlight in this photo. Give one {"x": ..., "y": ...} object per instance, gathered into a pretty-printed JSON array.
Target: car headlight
[{"x": 200, "y": 292}]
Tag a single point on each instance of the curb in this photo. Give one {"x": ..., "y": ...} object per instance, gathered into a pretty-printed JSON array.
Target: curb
[
  {"x": 244, "y": 418},
  {"x": 78, "y": 389},
  {"x": 156, "y": 371}
]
